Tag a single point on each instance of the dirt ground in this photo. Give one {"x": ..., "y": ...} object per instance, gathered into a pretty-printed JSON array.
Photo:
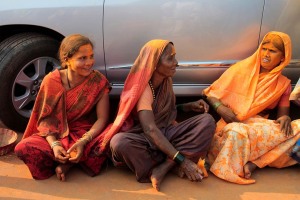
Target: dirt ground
[{"x": 17, "y": 183}]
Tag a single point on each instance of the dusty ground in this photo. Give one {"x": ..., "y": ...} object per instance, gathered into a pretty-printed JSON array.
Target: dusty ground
[
  {"x": 17, "y": 183},
  {"x": 112, "y": 183}
]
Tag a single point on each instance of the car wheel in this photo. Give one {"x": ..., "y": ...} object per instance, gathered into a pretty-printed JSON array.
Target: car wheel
[{"x": 24, "y": 61}]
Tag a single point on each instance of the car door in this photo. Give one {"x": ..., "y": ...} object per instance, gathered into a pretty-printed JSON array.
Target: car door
[{"x": 209, "y": 35}]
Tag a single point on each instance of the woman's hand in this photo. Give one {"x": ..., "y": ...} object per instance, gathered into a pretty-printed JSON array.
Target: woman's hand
[
  {"x": 199, "y": 106},
  {"x": 60, "y": 154},
  {"x": 227, "y": 114},
  {"x": 285, "y": 125},
  {"x": 78, "y": 148},
  {"x": 191, "y": 170}
]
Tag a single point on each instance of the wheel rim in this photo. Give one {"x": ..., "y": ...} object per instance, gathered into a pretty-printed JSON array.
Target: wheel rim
[{"x": 27, "y": 83}]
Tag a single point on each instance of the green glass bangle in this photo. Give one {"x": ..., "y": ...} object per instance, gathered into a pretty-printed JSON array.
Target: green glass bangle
[
  {"x": 178, "y": 158},
  {"x": 216, "y": 105}
]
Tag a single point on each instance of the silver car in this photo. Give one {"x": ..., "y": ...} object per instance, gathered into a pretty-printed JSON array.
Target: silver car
[{"x": 209, "y": 36}]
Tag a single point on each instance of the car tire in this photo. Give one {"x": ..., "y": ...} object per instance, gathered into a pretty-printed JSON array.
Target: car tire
[{"x": 24, "y": 61}]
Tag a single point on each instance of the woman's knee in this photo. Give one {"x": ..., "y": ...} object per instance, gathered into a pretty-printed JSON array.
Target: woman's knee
[
  {"x": 118, "y": 143},
  {"x": 19, "y": 148},
  {"x": 236, "y": 130},
  {"x": 208, "y": 123}
]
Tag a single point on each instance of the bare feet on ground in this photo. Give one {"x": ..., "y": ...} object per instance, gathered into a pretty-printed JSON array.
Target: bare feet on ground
[
  {"x": 159, "y": 172},
  {"x": 61, "y": 171},
  {"x": 248, "y": 169}
]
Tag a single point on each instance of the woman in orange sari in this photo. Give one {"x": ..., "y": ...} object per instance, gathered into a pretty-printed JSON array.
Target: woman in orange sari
[
  {"x": 243, "y": 96},
  {"x": 150, "y": 142},
  {"x": 70, "y": 112}
]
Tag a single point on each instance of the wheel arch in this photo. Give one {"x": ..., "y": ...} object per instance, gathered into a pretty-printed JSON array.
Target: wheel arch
[{"x": 7, "y": 31}]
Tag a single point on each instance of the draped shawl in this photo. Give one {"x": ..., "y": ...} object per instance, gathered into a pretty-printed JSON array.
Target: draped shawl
[
  {"x": 51, "y": 113},
  {"x": 245, "y": 90},
  {"x": 135, "y": 84}
]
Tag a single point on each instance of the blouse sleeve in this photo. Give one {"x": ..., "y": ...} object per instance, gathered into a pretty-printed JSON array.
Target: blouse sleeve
[
  {"x": 284, "y": 99},
  {"x": 146, "y": 100}
]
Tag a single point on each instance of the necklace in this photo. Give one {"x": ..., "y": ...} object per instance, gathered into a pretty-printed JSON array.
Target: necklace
[
  {"x": 152, "y": 89},
  {"x": 68, "y": 80}
]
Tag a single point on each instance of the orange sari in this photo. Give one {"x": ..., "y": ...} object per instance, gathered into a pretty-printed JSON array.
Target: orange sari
[{"x": 248, "y": 92}]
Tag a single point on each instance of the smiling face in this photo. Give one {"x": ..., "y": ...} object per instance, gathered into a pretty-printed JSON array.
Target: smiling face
[
  {"x": 270, "y": 54},
  {"x": 82, "y": 61},
  {"x": 167, "y": 64}
]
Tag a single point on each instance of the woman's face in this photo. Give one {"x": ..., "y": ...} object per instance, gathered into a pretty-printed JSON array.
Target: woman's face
[
  {"x": 167, "y": 64},
  {"x": 271, "y": 57},
  {"x": 82, "y": 61}
]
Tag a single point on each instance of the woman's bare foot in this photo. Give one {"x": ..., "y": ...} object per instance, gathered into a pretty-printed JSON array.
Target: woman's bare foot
[
  {"x": 61, "y": 171},
  {"x": 248, "y": 169},
  {"x": 159, "y": 172}
]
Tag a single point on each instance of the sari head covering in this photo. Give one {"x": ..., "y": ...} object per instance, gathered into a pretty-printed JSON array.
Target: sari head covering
[
  {"x": 135, "y": 84},
  {"x": 247, "y": 91}
]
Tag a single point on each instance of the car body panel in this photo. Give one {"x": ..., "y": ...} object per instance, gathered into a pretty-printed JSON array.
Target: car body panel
[
  {"x": 65, "y": 17},
  {"x": 209, "y": 36}
]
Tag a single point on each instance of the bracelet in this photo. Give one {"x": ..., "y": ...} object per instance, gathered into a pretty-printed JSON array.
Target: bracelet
[
  {"x": 55, "y": 143},
  {"x": 216, "y": 105},
  {"x": 88, "y": 136},
  {"x": 83, "y": 139},
  {"x": 178, "y": 157}
]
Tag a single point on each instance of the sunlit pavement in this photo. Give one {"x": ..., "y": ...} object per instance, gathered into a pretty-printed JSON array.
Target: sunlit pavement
[{"x": 17, "y": 183}]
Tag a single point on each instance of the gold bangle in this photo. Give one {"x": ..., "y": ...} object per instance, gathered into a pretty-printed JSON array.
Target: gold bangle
[
  {"x": 89, "y": 136},
  {"x": 216, "y": 105},
  {"x": 175, "y": 155}
]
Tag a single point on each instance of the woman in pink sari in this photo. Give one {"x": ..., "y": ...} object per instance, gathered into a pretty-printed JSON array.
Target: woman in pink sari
[
  {"x": 70, "y": 112},
  {"x": 243, "y": 96}
]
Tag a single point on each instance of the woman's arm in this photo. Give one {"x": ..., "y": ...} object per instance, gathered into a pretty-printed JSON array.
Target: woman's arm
[
  {"x": 283, "y": 110},
  {"x": 226, "y": 113},
  {"x": 284, "y": 120},
  {"x": 60, "y": 154},
  {"x": 153, "y": 133},
  {"x": 102, "y": 110}
]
